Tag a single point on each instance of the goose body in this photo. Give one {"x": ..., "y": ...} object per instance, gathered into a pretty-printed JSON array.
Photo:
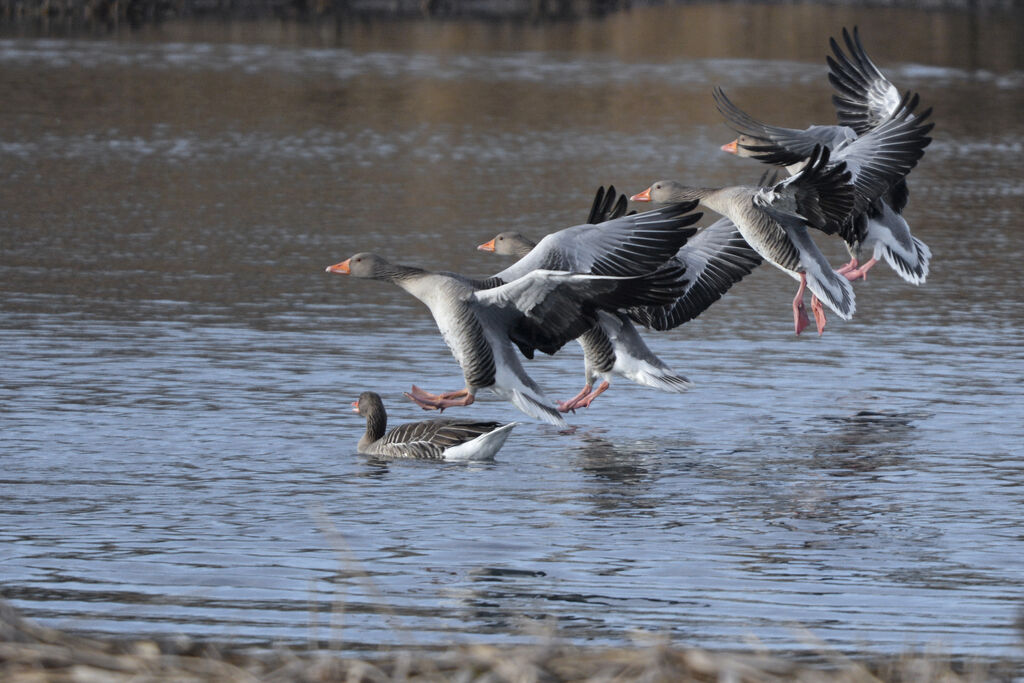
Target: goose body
[
  {"x": 484, "y": 325},
  {"x": 774, "y": 221},
  {"x": 438, "y": 439},
  {"x": 867, "y": 104}
]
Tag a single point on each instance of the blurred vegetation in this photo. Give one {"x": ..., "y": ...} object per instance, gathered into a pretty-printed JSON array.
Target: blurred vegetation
[
  {"x": 30, "y": 652},
  {"x": 136, "y": 12}
]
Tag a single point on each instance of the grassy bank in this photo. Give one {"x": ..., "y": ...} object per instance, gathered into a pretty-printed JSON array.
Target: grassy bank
[{"x": 30, "y": 652}]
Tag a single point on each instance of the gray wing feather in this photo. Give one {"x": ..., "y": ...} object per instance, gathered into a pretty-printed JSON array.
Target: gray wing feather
[
  {"x": 864, "y": 97},
  {"x": 716, "y": 259},
  {"x": 881, "y": 158},
  {"x": 777, "y": 145},
  {"x": 429, "y": 438},
  {"x": 628, "y": 245}
]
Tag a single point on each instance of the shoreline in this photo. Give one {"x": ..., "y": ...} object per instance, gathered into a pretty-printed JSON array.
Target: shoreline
[{"x": 31, "y": 652}]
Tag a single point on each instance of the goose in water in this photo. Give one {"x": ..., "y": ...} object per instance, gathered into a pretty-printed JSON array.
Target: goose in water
[
  {"x": 711, "y": 262},
  {"x": 438, "y": 439},
  {"x": 773, "y": 219},
  {"x": 542, "y": 310},
  {"x": 866, "y": 101}
]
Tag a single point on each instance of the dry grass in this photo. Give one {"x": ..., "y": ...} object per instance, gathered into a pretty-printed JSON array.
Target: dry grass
[{"x": 30, "y": 652}]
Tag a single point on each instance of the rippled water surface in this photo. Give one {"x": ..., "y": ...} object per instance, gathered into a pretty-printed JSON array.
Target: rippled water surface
[{"x": 178, "y": 451}]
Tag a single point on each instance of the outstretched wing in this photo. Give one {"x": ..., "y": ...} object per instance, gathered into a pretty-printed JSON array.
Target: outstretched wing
[
  {"x": 545, "y": 309},
  {"x": 864, "y": 97},
  {"x": 775, "y": 144},
  {"x": 606, "y": 207},
  {"x": 627, "y": 245},
  {"x": 716, "y": 259},
  {"x": 881, "y": 158}
]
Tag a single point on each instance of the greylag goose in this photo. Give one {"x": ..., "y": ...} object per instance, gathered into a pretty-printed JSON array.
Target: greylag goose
[
  {"x": 542, "y": 310},
  {"x": 773, "y": 219},
  {"x": 711, "y": 262},
  {"x": 866, "y": 101},
  {"x": 438, "y": 439}
]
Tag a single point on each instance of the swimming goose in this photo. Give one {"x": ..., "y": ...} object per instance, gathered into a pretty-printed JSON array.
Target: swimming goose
[
  {"x": 711, "y": 262},
  {"x": 542, "y": 310},
  {"x": 438, "y": 439},
  {"x": 866, "y": 102},
  {"x": 773, "y": 219}
]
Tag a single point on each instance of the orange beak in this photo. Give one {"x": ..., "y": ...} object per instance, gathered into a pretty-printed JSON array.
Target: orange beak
[
  {"x": 732, "y": 147},
  {"x": 487, "y": 246},
  {"x": 644, "y": 196},
  {"x": 355, "y": 406},
  {"x": 339, "y": 267}
]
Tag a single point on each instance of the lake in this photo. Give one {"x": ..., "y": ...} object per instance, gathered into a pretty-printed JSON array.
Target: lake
[{"x": 178, "y": 447}]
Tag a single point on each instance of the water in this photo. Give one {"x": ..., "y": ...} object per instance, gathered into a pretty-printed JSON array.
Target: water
[{"x": 177, "y": 442}]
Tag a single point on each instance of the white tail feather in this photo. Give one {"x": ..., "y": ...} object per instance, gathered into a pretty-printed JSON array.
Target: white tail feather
[
  {"x": 835, "y": 291},
  {"x": 535, "y": 408},
  {"x": 483, "y": 447},
  {"x": 658, "y": 378}
]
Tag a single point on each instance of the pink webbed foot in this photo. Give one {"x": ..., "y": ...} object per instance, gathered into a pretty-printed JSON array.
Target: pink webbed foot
[
  {"x": 570, "y": 405},
  {"x": 584, "y": 398},
  {"x": 861, "y": 272},
  {"x": 448, "y": 399},
  {"x": 819, "y": 314},
  {"x": 847, "y": 267}
]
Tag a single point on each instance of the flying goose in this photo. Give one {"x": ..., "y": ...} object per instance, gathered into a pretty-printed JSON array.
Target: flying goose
[
  {"x": 773, "y": 219},
  {"x": 711, "y": 262},
  {"x": 866, "y": 101},
  {"x": 437, "y": 439},
  {"x": 542, "y": 310}
]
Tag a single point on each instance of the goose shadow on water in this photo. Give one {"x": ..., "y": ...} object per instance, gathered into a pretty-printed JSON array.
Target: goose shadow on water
[
  {"x": 865, "y": 441},
  {"x": 834, "y": 493}
]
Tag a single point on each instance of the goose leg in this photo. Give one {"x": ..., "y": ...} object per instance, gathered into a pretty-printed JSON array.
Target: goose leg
[
  {"x": 800, "y": 320},
  {"x": 819, "y": 314},
  {"x": 448, "y": 399},
  {"x": 570, "y": 405},
  {"x": 589, "y": 398},
  {"x": 845, "y": 268},
  {"x": 861, "y": 272},
  {"x": 416, "y": 391}
]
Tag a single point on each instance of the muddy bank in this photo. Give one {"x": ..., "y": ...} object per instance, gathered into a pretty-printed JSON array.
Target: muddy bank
[{"x": 30, "y": 652}]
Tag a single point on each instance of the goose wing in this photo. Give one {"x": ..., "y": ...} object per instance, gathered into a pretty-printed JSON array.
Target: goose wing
[
  {"x": 881, "y": 158},
  {"x": 627, "y": 245},
  {"x": 545, "y": 309},
  {"x": 430, "y": 438},
  {"x": 864, "y": 97},
  {"x": 714, "y": 260},
  {"x": 821, "y": 193},
  {"x": 775, "y": 144},
  {"x": 606, "y": 207}
]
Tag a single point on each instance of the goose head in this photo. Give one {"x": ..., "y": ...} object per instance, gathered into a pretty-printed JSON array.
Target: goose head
[
  {"x": 668, "y": 192},
  {"x": 742, "y": 145},
  {"x": 508, "y": 243},
  {"x": 364, "y": 265}
]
